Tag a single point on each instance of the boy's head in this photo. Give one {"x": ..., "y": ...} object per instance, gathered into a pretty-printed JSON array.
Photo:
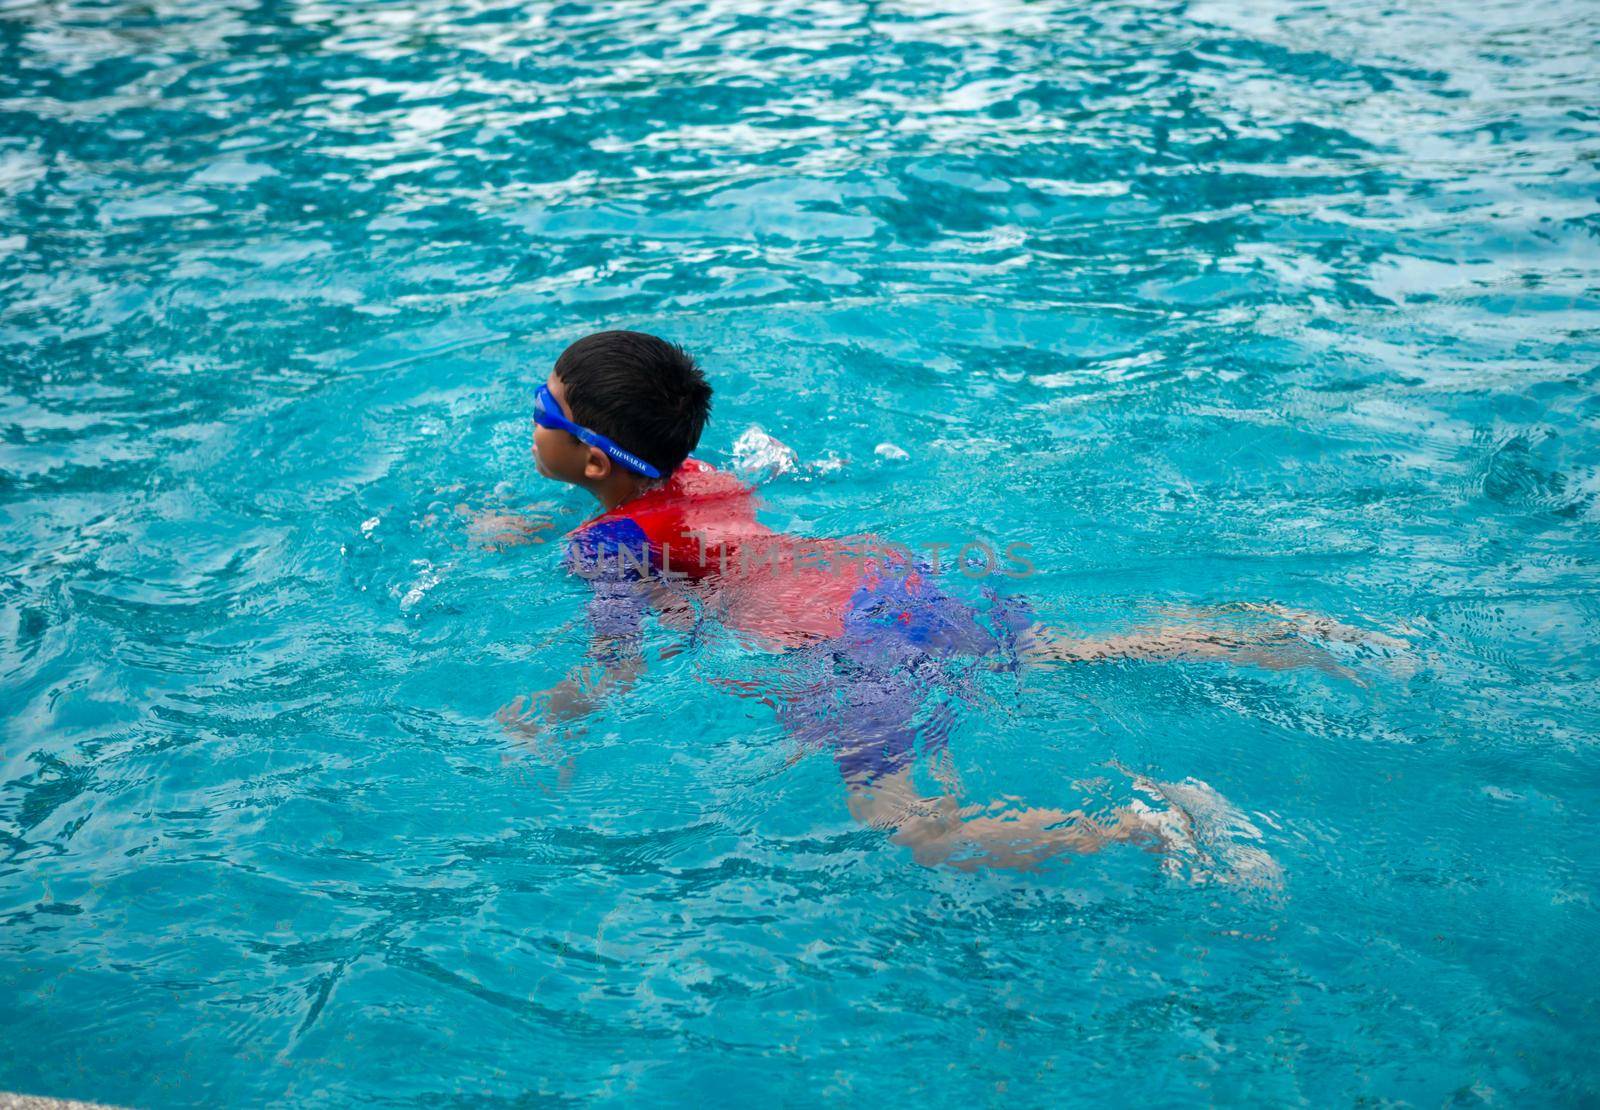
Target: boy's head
[{"x": 643, "y": 393}]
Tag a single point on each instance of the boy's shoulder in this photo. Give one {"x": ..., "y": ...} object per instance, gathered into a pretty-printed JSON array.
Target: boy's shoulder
[
  {"x": 693, "y": 490},
  {"x": 694, "y": 479},
  {"x": 690, "y": 515}
]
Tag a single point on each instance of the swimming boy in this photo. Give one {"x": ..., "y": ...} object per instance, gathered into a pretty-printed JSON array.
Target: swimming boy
[{"x": 868, "y": 631}]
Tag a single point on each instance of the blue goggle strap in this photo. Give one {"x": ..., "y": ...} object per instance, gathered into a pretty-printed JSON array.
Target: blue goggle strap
[{"x": 553, "y": 417}]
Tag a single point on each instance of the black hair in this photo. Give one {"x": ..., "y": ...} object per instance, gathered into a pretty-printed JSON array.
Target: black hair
[{"x": 643, "y": 392}]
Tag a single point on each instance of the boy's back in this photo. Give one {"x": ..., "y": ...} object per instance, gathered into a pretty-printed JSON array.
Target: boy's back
[{"x": 698, "y": 533}]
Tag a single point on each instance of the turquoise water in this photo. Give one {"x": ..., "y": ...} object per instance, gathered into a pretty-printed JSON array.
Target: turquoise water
[{"x": 1207, "y": 302}]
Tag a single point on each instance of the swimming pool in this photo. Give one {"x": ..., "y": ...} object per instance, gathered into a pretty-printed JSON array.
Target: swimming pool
[{"x": 1206, "y": 302}]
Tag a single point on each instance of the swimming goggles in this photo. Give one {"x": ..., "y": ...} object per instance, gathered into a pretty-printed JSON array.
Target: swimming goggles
[{"x": 547, "y": 412}]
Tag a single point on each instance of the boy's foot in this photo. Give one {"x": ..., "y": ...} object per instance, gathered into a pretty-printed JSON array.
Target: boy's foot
[{"x": 1205, "y": 837}]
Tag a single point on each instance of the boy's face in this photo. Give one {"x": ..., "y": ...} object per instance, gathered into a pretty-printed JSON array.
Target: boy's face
[{"x": 560, "y": 455}]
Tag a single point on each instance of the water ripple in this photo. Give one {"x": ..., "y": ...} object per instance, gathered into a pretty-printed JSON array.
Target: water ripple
[{"x": 1205, "y": 301}]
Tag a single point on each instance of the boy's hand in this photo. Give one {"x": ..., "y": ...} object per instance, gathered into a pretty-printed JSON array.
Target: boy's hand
[
  {"x": 575, "y": 696},
  {"x": 521, "y": 721},
  {"x": 529, "y": 718},
  {"x": 495, "y": 530}
]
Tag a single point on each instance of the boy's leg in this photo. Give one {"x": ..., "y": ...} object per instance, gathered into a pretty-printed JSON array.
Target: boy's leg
[
  {"x": 1301, "y": 622},
  {"x": 940, "y": 830},
  {"x": 868, "y": 714},
  {"x": 876, "y": 721},
  {"x": 1203, "y": 838},
  {"x": 1288, "y": 639}
]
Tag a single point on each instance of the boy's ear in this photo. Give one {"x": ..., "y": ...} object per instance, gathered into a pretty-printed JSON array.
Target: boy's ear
[{"x": 597, "y": 467}]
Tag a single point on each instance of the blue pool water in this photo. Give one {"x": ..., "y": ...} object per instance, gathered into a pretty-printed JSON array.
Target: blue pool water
[{"x": 1208, "y": 302}]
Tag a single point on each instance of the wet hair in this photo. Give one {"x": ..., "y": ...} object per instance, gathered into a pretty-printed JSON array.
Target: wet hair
[{"x": 645, "y": 393}]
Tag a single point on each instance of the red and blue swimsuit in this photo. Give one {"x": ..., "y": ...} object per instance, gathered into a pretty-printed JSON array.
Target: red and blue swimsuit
[{"x": 878, "y": 626}]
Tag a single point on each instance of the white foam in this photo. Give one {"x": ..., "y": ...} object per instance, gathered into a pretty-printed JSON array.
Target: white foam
[
  {"x": 427, "y": 580},
  {"x": 758, "y": 455}
]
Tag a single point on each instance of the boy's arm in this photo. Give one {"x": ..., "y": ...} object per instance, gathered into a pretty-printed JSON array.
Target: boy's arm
[
  {"x": 615, "y": 657},
  {"x": 580, "y": 693},
  {"x": 613, "y": 662},
  {"x": 498, "y": 529}
]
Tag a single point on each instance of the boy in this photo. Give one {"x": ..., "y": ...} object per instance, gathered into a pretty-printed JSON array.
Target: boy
[{"x": 869, "y": 631}]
